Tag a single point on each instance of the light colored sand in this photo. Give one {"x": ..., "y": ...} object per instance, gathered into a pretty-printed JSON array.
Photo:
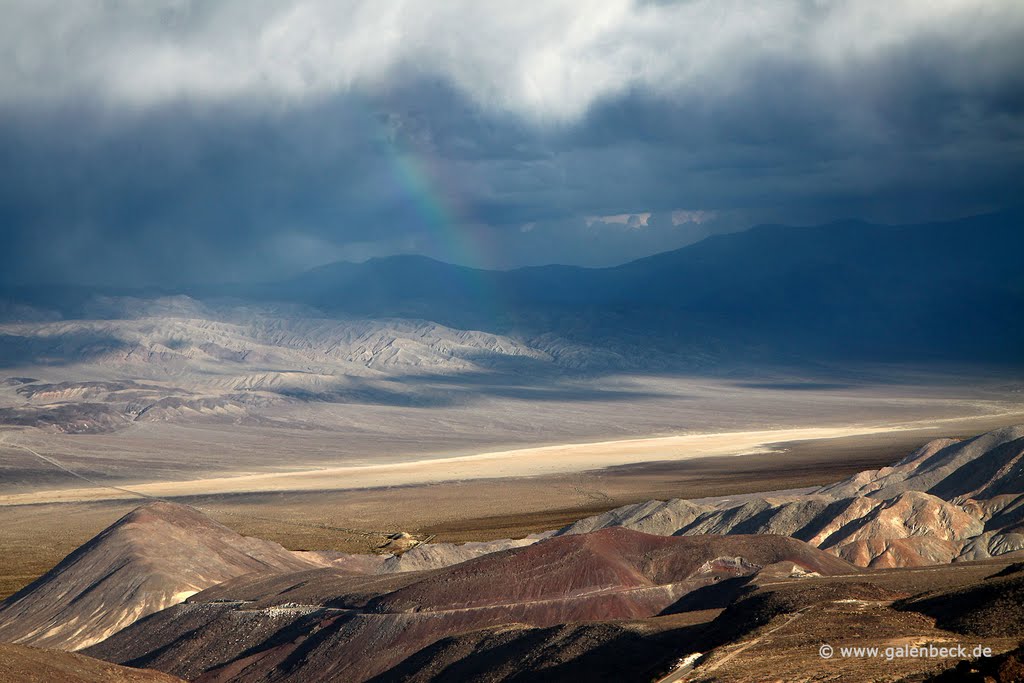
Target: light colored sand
[{"x": 522, "y": 462}]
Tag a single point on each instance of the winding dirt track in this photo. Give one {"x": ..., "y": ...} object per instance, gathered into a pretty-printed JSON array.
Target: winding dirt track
[{"x": 78, "y": 475}]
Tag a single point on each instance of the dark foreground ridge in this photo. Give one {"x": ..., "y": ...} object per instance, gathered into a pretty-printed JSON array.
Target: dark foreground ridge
[{"x": 20, "y": 663}]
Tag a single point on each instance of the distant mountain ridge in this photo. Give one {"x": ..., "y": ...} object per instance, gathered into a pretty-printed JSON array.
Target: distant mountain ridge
[
  {"x": 849, "y": 290},
  {"x": 945, "y": 290}
]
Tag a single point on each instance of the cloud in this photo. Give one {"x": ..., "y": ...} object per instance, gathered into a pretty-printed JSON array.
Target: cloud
[
  {"x": 547, "y": 61},
  {"x": 631, "y": 220},
  {"x": 683, "y": 216},
  {"x": 167, "y": 141}
]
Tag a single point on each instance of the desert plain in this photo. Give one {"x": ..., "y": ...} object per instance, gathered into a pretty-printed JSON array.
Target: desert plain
[{"x": 345, "y": 477}]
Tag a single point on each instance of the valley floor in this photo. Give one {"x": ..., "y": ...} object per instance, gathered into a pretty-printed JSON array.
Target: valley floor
[
  {"x": 495, "y": 461},
  {"x": 36, "y": 535},
  {"x": 514, "y": 463}
]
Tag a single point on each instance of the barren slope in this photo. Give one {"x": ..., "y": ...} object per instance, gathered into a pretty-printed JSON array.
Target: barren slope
[
  {"x": 917, "y": 512},
  {"x": 982, "y": 467},
  {"x": 23, "y": 664},
  {"x": 177, "y": 359},
  {"x": 151, "y": 558},
  {"x": 365, "y": 624}
]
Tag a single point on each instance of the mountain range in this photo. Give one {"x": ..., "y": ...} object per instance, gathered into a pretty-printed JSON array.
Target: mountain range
[
  {"x": 844, "y": 291},
  {"x": 848, "y": 289}
]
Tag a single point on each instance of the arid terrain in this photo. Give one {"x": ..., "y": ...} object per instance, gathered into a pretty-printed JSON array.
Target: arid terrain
[
  {"x": 717, "y": 587},
  {"x": 320, "y": 433},
  {"x": 43, "y": 526},
  {"x": 420, "y": 503},
  {"x": 349, "y": 341}
]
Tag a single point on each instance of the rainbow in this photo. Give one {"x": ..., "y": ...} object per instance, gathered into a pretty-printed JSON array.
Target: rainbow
[{"x": 442, "y": 217}]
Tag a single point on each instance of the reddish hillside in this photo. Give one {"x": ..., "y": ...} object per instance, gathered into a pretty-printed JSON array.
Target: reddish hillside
[
  {"x": 363, "y": 625},
  {"x": 610, "y": 559}
]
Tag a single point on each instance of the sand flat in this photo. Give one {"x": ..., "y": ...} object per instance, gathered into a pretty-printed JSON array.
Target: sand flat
[
  {"x": 357, "y": 520},
  {"x": 521, "y": 462}
]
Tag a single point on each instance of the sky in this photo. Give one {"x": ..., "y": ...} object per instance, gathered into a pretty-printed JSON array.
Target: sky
[{"x": 170, "y": 141}]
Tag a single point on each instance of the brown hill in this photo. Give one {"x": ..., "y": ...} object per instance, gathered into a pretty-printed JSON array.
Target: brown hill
[
  {"x": 23, "y": 664},
  {"x": 153, "y": 557},
  {"x": 597, "y": 597},
  {"x": 775, "y": 630},
  {"x": 1005, "y": 668},
  {"x": 610, "y": 651},
  {"x": 910, "y": 529},
  {"x": 993, "y": 607},
  {"x": 582, "y": 565}
]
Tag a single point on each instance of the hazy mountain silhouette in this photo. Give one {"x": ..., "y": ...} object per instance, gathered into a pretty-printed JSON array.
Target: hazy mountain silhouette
[
  {"x": 849, "y": 290},
  {"x": 945, "y": 290}
]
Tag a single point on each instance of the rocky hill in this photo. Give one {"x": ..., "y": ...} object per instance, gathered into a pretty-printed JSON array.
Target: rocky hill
[
  {"x": 986, "y": 466},
  {"x": 178, "y": 359},
  {"x": 363, "y": 625},
  {"x": 948, "y": 501},
  {"x": 151, "y": 558}
]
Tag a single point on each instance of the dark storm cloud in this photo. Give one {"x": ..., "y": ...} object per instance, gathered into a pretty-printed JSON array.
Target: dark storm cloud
[{"x": 178, "y": 141}]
